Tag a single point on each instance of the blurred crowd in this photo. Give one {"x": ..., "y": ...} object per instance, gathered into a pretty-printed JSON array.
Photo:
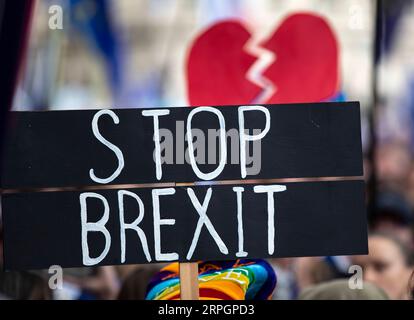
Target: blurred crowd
[{"x": 157, "y": 34}]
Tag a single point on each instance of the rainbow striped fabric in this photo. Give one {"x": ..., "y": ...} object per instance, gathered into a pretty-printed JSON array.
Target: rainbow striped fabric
[{"x": 244, "y": 279}]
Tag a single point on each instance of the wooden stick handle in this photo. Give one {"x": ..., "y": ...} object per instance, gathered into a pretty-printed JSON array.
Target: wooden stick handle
[{"x": 189, "y": 281}]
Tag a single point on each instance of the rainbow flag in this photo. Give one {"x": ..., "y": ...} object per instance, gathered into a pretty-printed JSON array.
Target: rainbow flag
[{"x": 243, "y": 279}]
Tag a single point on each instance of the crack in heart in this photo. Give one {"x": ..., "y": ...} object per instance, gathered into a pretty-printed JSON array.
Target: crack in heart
[
  {"x": 265, "y": 58},
  {"x": 299, "y": 62}
]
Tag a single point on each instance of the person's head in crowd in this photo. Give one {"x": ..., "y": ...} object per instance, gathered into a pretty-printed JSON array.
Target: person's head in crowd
[
  {"x": 409, "y": 186},
  {"x": 412, "y": 286},
  {"x": 24, "y": 286},
  {"x": 94, "y": 282},
  {"x": 389, "y": 265},
  {"x": 340, "y": 290},
  {"x": 312, "y": 270},
  {"x": 393, "y": 214},
  {"x": 135, "y": 284},
  {"x": 393, "y": 164}
]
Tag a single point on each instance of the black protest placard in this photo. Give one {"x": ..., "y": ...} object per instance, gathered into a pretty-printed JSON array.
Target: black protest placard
[{"x": 74, "y": 194}]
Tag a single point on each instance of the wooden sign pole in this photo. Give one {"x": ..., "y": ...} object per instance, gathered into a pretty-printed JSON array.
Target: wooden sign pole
[{"x": 189, "y": 281}]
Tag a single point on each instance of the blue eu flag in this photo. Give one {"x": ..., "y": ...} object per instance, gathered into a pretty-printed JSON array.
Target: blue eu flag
[{"x": 92, "y": 18}]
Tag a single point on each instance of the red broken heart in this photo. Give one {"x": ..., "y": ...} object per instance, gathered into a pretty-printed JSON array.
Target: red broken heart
[{"x": 305, "y": 67}]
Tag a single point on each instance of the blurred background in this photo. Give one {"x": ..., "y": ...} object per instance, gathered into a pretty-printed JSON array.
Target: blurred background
[{"x": 134, "y": 53}]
